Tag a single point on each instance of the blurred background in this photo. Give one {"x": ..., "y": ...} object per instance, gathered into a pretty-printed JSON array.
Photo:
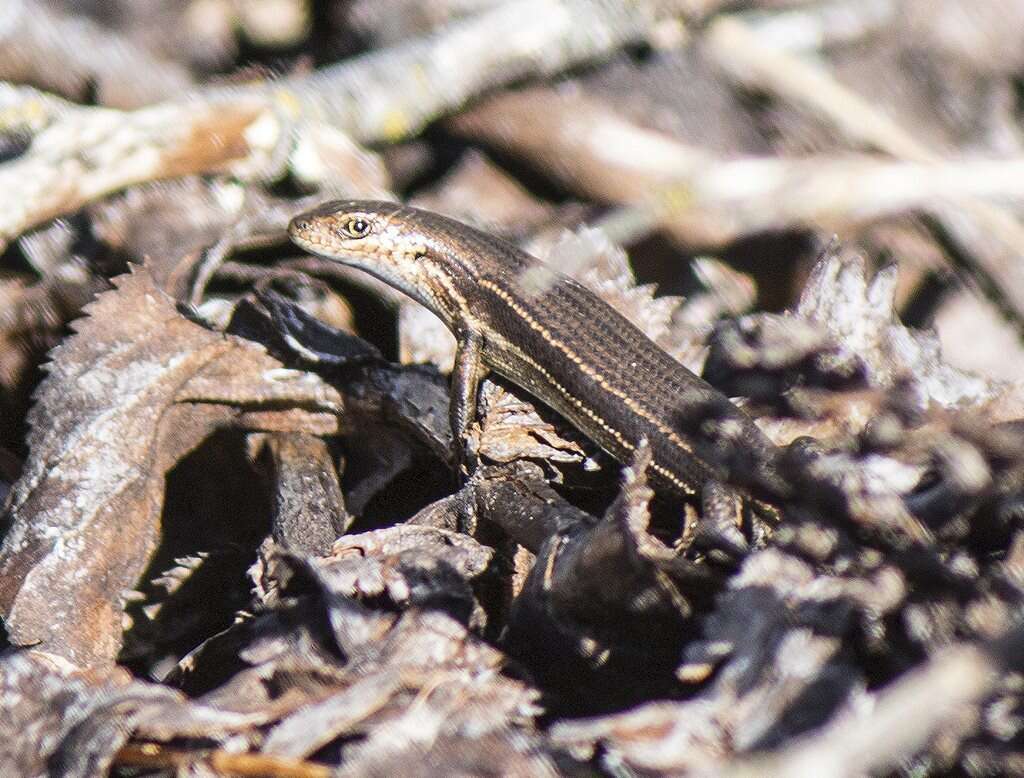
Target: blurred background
[{"x": 748, "y": 133}]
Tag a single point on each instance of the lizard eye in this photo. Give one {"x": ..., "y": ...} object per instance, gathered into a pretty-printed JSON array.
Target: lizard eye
[{"x": 356, "y": 227}]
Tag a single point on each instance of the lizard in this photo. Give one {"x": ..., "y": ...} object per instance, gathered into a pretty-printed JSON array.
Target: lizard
[{"x": 552, "y": 337}]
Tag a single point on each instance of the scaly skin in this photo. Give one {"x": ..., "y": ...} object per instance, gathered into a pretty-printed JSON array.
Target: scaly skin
[{"x": 548, "y": 334}]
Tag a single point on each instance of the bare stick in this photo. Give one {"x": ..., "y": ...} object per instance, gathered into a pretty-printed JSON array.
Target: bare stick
[
  {"x": 154, "y": 756},
  {"x": 816, "y": 26},
  {"x": 383, "y": 96},
  {"x": 706, "y": 200},
  {"x": 994, "y": 236},
  {"x": 89, "y": 153},
  {"x": 392, "y": 93}
]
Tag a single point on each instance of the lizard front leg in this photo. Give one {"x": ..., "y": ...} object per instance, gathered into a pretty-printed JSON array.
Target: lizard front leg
[{"x": 467, "y": 373}]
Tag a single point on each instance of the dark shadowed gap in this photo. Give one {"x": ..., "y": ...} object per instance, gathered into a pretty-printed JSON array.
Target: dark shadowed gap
[{"x": 216, "y": 504}]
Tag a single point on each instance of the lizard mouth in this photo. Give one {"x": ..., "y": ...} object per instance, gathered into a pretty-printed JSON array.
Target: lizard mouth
[{"x": 305, "y": 234}]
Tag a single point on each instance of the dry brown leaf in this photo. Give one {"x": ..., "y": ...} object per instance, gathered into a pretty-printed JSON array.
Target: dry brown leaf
[{"x": 135, "y": 389}]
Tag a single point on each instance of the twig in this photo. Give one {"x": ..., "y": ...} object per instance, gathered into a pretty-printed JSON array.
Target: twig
[
  {"x": 389, "y": 21},
  {"x": 751, "y": 62},
  {"x": 152, "y": 755},
  {"x": 383, "y": 96},
  {"x": 994, "y": 236},
  {"x": 706, "y": 200},
  {"x": 816, "y": 26},
  {"x": 392, "y": 93},
  {"x": 697, "y": 11},
  {"x": 88, "y": 153}
]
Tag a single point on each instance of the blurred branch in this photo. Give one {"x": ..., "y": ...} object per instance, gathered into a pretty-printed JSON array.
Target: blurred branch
[
  {"x": 392, "y": 93},
  {"x": 87, "y": 153},
  {"x": 218, "y": 762},
  {"x": 25, "y": 110},
  {"x": 992, "y": 236},
  {"x": 752, "y": 62},
  {"x": 34, "y": 37},
  {"x": 816, "y": 26},
  {"x": 386, "y": 95},
  {"x": 696, "y": 11},
  {"x": 390, "y": 21},
  {"x": 706, "y": 200}
]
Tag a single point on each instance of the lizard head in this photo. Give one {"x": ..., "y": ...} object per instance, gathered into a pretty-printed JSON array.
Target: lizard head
[
  {"x": 425, "y": 255},
  {"x": 347, "y": 230},
  {"x": 370, "y": 235}
]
